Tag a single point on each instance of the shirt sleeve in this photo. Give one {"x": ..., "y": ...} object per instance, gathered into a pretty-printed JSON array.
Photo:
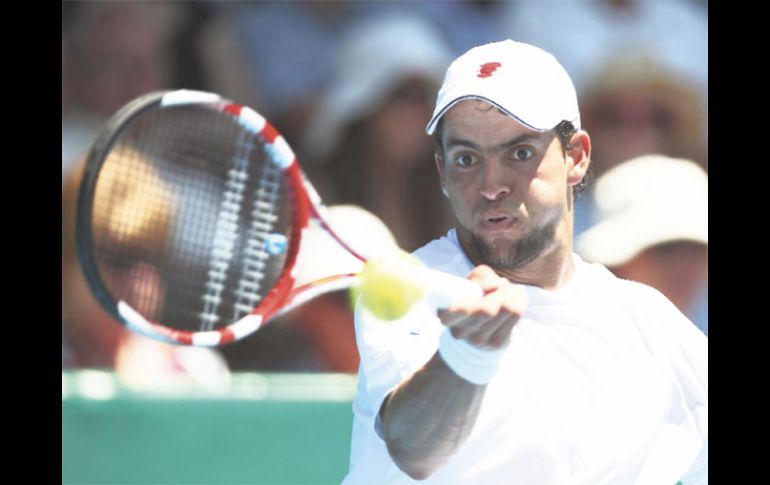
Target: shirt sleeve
[{"x": 391, "y": 351}]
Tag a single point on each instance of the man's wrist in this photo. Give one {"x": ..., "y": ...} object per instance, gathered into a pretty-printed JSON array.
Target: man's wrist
[{"x": 471, "y": 363}]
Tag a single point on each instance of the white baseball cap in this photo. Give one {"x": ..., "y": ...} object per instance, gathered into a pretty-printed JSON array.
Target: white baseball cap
[
  {"x": 524, "y": 81},
  {"x": 646, "y": 201}
]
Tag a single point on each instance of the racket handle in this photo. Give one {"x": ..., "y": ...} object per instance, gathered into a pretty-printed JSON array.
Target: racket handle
[{"x": 443, "y": 290}]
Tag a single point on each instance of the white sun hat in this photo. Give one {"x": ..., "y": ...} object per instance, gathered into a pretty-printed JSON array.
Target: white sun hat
[
  {"x": 646, "y": 201},
  {"x": 524, "y": 81}
]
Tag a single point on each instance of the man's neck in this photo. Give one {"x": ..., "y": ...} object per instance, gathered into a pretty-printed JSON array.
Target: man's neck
[{"x": 549, "y": 271}]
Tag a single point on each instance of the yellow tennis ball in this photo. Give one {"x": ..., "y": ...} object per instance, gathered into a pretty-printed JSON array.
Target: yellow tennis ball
[{"x": 386, "y": 288}]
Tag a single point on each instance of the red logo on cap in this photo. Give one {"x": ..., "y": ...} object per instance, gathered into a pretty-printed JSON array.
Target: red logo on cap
[{"x": 487, "y": 69}]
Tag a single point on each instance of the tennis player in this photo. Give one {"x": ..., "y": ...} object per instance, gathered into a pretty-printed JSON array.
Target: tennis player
[{"x": 562, "y": 373}]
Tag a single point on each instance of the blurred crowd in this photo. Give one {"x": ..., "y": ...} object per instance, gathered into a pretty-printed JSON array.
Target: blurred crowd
[{"x": 351, "y": 86}]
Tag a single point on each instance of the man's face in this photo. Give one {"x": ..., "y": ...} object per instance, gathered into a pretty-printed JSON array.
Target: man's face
[{"x": 507, "y": 185}]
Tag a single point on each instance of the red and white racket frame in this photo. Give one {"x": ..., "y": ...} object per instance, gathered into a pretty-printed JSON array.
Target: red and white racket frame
[{"x": 283, "y": 296}]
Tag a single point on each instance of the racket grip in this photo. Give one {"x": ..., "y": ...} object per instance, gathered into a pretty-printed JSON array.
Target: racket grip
[{"x": 443, "y": 290}]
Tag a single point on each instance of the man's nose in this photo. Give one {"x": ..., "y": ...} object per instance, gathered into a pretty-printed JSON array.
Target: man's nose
[{"x": 494, "y": 184}]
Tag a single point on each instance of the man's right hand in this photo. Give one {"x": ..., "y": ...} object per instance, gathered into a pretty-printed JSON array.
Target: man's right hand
[{"x": 487, "y": 323}]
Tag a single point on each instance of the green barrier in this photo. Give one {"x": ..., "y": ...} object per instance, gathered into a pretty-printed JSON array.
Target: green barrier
[{"x": 263, "y": 429}]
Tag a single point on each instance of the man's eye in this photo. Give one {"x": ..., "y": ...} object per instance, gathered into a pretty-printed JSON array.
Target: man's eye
[
  {"x": 465, "y": 160},
  {"x": 522, "y": 154}
]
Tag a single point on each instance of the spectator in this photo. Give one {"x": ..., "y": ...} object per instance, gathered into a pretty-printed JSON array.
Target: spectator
[
  {"x": 652, "y": 226},
  {"x": 366, "y": 137}
]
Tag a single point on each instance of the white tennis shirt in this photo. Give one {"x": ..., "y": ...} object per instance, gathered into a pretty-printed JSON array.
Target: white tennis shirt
[{"x": 605, "y": 382}]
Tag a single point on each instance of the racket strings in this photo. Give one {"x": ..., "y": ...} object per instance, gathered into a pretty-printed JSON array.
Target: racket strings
[
  {"x": 225, "y": 233},
  {"x": 190, "y": 218},
  {"x": 259, "y": 236}
]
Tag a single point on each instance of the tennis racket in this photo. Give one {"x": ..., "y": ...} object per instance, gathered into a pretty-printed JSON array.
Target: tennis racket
[{"x": 191, "y": 216}]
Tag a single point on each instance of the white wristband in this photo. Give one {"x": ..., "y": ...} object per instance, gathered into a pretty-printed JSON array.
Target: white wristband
[{"x": 471, "y": 363}]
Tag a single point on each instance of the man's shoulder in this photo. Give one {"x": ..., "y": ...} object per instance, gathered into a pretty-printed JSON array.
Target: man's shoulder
[
  {"x": 599, "y": 278},
  {"x": 600, "y": 274},
  {"x": 642, "y": 292},
  {"x": 435, "y": 249},
  {"x": 445, "y": 254},
  {"x": 653, "y": 313}
]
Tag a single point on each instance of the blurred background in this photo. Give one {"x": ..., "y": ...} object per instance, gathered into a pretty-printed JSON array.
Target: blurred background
[{"x": 351, "y": 85}]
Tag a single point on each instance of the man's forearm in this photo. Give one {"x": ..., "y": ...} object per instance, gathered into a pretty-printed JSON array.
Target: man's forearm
[{"x": 428, "y": 417}]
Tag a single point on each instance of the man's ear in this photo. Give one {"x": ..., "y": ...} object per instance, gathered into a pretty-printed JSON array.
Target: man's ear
[
  {"x": 578, "y": 157},
  {"x": 440, "y": 167}
]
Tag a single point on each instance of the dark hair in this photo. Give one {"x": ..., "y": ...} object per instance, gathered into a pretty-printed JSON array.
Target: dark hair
[{"x": 564, "y": 131}]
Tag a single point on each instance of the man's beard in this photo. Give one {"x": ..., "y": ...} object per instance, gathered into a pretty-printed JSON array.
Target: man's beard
[{"x": 520, "y": 253}]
